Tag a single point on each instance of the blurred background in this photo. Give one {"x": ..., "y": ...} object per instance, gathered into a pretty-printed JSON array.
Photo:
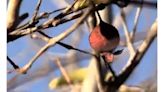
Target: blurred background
[{"x": 45, "y": 69}]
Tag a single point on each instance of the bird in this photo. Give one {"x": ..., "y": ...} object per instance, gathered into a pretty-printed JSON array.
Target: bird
[{"x": 104, "y": 39}]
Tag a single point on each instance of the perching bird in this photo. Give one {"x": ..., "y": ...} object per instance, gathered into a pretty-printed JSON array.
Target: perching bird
[{"x": 104, "y": 38}]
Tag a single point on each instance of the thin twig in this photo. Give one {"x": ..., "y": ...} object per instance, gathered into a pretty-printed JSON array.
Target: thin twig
[
  {"x": 127, "y": 35},
  {"x": 45, "y": 69},
  {"x": 136, "y": 22},
  {"x": 12, "y": 63},
  {"x": 124, "y": 3},
  {"x": 69, "y": 8},
  {"x": 46, "y": 38},
  {"x": 53, "y": 41},
  {"x": 39, "y": 17},
  {"x": 66, "y": 11},
  {"x": 123, "y": 76},
  {"x": 144, "y": 3},
  {"x": 48, "y": 24},
  {"x": 33, "y": 19},
  {"x": 19, "y": 33},
  {"x": 64, "y": 73},
  {"x": 56, "y": 10},
  {"x": 36, "y": 12},
  {"x": 56, "y": 23},
  {"x": 32, "y": 22}
]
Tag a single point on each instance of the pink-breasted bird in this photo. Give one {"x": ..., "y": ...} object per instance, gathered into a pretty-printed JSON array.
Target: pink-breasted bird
[{"x": 104, "y": 38}]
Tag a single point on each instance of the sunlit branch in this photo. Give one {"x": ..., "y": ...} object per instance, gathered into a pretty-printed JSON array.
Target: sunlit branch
[
  {"x": 127, "y": 35},
  {"x": 152, "y": 34},
  {"x": 53, "y": 41}
]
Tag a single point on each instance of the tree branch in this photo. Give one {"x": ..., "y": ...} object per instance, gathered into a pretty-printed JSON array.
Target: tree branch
[
  {"x": 36, "y": 12},
  {"x": 53, "y": 41},
  {"x": 123, "y": 76},
  {"x": 64, "y": 73},
  {"x": 127, "y": 35},
  {"x": 138, "y": 12},
  {"x": 13, "y": 14}
]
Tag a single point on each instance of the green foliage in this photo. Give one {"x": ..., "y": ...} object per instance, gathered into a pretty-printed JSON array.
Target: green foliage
[{"x": 76, "y": 76}]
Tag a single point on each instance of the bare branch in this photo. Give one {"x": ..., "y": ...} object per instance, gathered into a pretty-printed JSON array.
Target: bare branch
[
  {"x": 124, "y": 3},
  {"x": 13, "y": 14},
  {"x": 53, "y": 41},
  {"x": 61, "y": 18},
  {"x": 39, "y": 17},
  {"x": 12, "y": 63},
  {"x": 45, "y": 69},
  {"x": 19, "y": 33},
  {"x": 48, "y": 24},
  {"x": 64, "y": 72},
  {"x": 46, "y": 38},
  {"x": 136, "y": 23},
  {"x": 36, "y": 11},
  {"x": 127, "y": 35},
  {"x": 148, "y": 4},
  {"x": 138, "y": 55}
]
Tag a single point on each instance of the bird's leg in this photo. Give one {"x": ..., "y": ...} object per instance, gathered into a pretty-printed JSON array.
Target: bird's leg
[
  {"x": 107, "y": 64},
  {"x": 108, "y": 59},
  {"x": 108, "y": 56}
]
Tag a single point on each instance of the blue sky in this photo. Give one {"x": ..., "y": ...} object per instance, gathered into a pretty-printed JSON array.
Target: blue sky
[{"x": 25, "y": 44}]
